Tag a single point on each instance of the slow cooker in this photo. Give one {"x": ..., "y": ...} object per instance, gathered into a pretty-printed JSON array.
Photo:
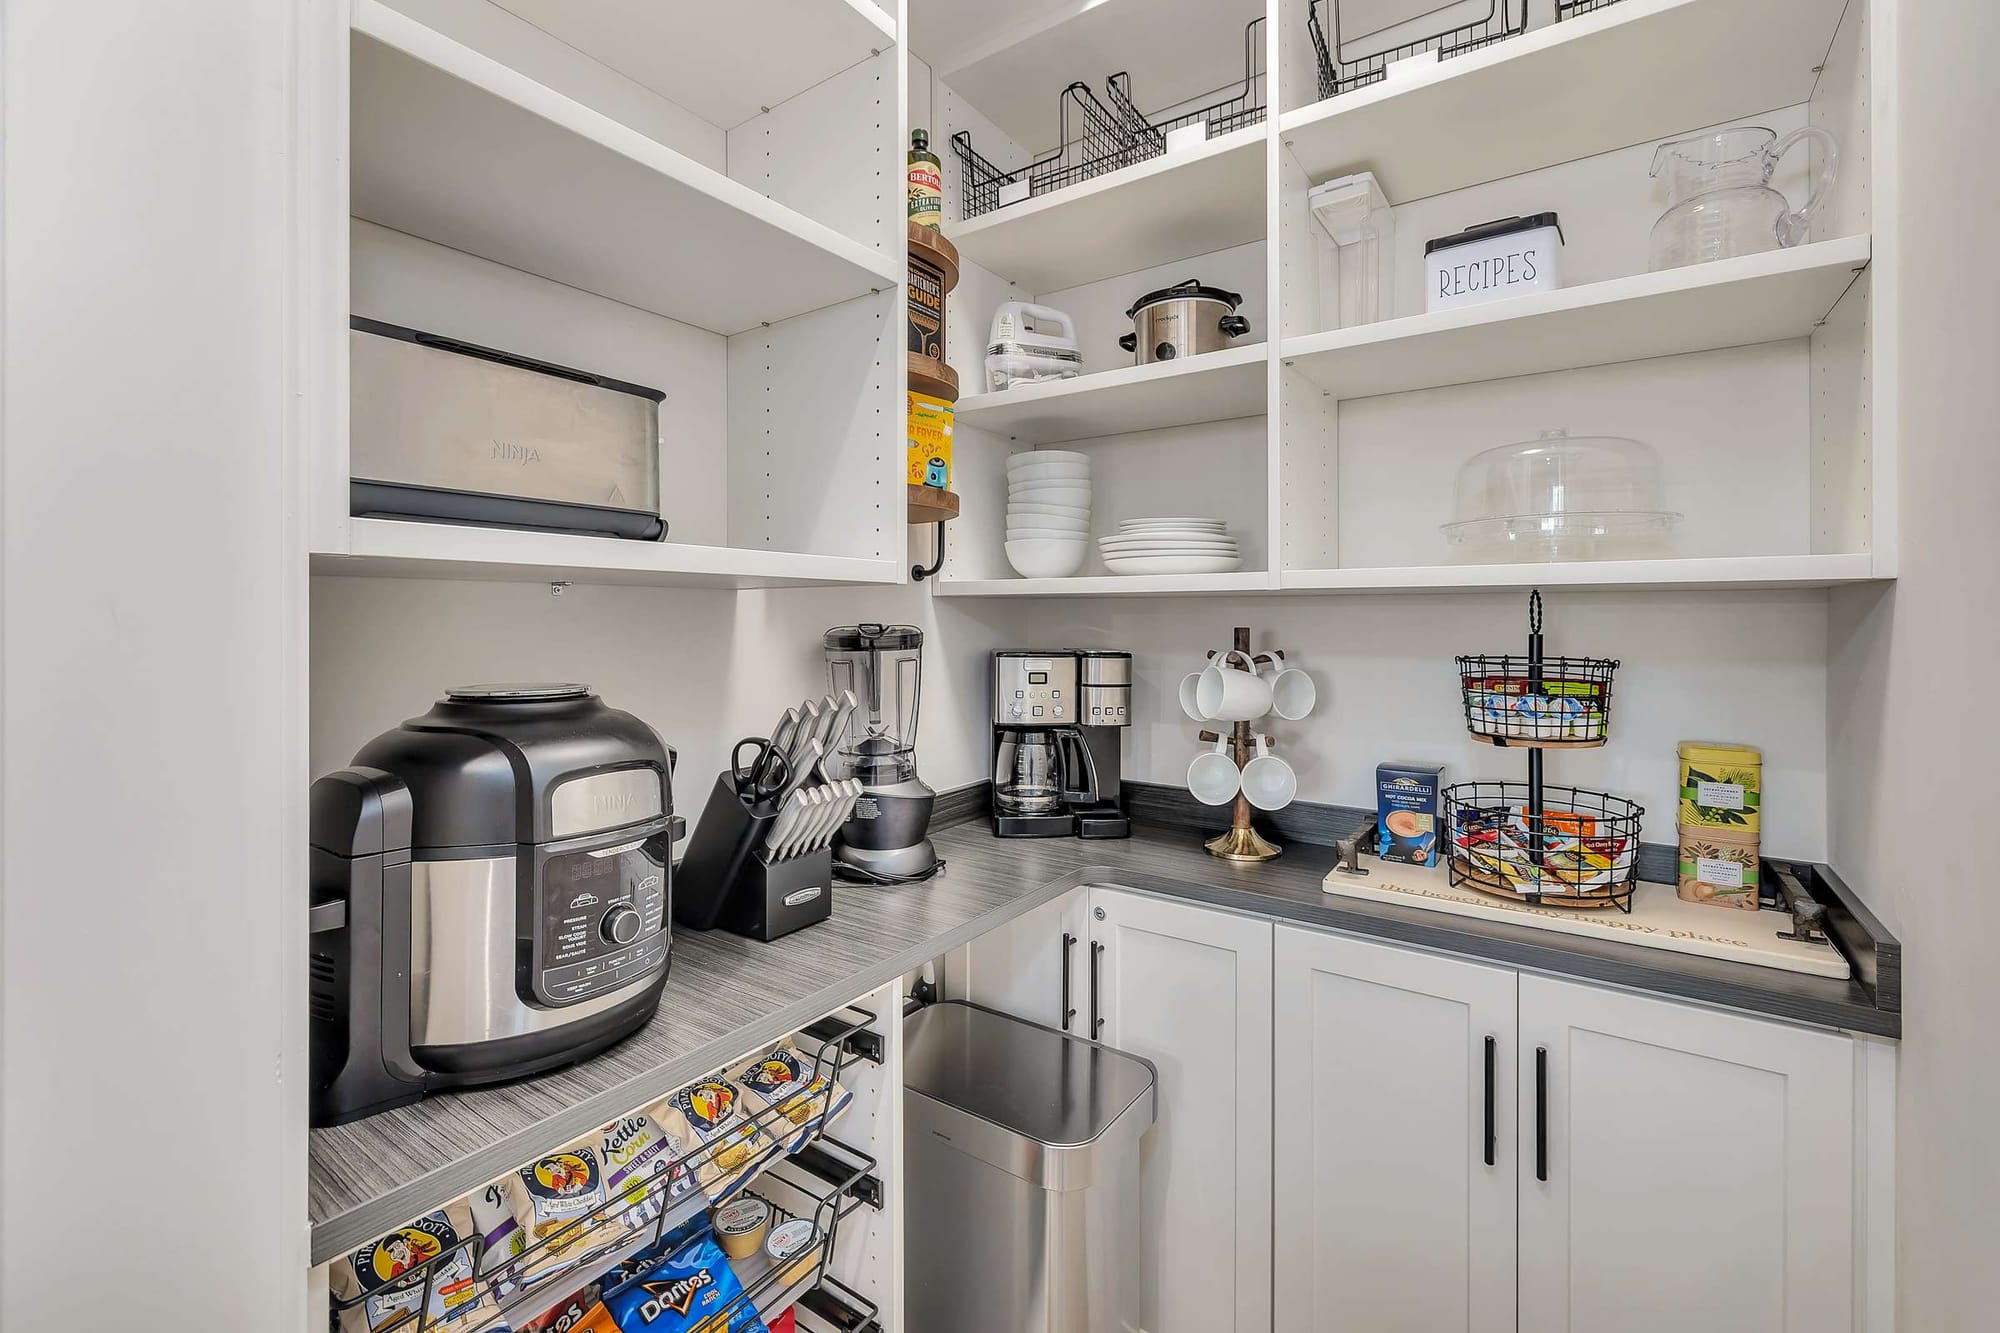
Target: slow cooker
[
  {"x": 1186, "y": 319},
  {"x": 490, "y": 895}
]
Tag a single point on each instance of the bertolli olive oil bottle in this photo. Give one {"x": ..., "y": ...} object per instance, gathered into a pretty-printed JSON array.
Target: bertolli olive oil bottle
[{"x": 926, "y": 183}]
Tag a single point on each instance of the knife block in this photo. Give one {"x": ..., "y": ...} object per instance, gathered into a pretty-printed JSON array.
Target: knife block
[
  {"x": 726, "y": 880},
  {"x": 772, "y": 899}
]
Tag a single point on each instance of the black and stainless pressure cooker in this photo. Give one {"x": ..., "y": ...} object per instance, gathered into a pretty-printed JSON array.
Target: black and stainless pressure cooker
[
  {"x": 1183, "y": 320},
  {"x": 490, "y": 895}
]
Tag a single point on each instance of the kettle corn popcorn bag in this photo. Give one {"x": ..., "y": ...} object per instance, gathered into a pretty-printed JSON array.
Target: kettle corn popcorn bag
[
  {"x": 783, "y": 1079},
  {"x": 715, "y": 1117},
  {"x": 642, "y": 1166},
  {"x": 388, "y": 1280}
]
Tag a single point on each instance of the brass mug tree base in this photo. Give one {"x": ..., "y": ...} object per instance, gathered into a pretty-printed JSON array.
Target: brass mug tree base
[{"x": 1241, "y": 843}]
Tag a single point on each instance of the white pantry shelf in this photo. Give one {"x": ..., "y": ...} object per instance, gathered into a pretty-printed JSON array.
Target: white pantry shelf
[
  {"x": 1720, "y": 572},
  {"x": 1109, "y": 585},
  {"x": 1173, "y": 49},
  {"x": 1172, "y": 207},
  {"x": 1730, "y": 303},
  {"x": 380, "y": 547},
  {"x": 457, "y": 148},
  {"x": 1217, "y": 386},
  {"x": 681, "y": 51},
  {"x": 1635, "y": 71}
]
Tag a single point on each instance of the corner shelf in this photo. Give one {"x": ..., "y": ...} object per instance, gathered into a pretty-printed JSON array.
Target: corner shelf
[
  {"x": 1721, "y": 572},
  {"x": 457, "y": 148},
  {"x": 1209, "y": 198},
  {"x": 1729, "y": 303},
  {"x": 1109, "y": 585},
  {"x": 671, "y": 48},
  {"x": 1170, "y": 48},
  {"x": 1646, "y": 69},
  {"x": 1216, "y": 386},
  {"x": 391, "y": 548}
]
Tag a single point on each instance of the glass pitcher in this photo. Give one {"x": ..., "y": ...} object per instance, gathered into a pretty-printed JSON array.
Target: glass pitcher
[{"x": 1723, "y": 204}]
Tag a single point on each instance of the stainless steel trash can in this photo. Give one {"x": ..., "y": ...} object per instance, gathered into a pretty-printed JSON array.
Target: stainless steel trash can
[{"x": 1022, "y": 1158}]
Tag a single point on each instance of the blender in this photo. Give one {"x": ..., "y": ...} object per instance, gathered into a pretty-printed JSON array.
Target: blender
[{"x": 884, "y": 842}]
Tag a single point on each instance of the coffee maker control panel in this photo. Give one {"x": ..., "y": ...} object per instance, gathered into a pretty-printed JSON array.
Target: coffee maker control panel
[{"x": 1035, "y": 690}]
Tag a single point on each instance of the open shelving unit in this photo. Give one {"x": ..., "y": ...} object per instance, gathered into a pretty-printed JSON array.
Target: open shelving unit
[
  {"x": 1766, "y": 383},
  {"x": 1209, "y": 198},
  {"x": 1732, "y": 303},
  {"x": 1646, "y": 69},
  {"x": 454, "y": 146},
  {"x": 1216, "y": 387},
  {"x": 591, "y": 186}
]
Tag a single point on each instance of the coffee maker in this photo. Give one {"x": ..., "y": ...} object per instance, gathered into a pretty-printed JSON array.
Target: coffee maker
[{"x": 1058, "y": 737}]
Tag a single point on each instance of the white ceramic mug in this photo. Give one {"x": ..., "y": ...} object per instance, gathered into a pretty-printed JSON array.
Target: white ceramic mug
[
  {"x": 1213, "y": 778},
  {"x": 1190, "y": 683},
  {"x": 1268, "y": 781},
  {"x": 1230, "y": 693},
  {"x": 1293, "y": 693}
]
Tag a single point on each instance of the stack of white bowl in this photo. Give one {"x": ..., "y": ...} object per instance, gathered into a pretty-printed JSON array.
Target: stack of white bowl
[
  {"x": 1173, "y": 545},
  {"x": 1048, "y": 513}
]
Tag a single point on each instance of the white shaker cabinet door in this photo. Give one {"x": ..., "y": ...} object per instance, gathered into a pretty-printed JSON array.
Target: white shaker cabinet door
[
  {"x": 1030, "y": 966},
  {"x": 1394, "y": 1199},
  {"x": 1190, "y": 989},
  {"x": 1695, "y": 1168}
]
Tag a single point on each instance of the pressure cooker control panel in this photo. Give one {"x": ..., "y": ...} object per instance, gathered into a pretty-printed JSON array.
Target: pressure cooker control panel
[{"x": 602, "y": 921}]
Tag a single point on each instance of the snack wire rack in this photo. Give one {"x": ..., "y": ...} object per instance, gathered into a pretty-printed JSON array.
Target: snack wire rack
[
  {"x": 1568, "y": 846},
  {"x": 619, "y": 1240},
  {"x": 1569, "y": 9},
  {"x": 1098, "y": 139},
  {"x": 1345, "y": 64}
]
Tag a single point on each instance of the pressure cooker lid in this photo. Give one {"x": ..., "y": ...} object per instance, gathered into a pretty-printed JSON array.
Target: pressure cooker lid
[
  {"x": 860, "y": 638},
  {"x": 500, "y": 694},
  {"x": 503, "y": 765},
  {"x": 1186, "y": 291}
]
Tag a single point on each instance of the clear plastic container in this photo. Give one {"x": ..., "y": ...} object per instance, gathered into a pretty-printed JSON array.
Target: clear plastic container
[
  {"x": 1561, "y": 497},
  {"x": 1361, "y": 223}
]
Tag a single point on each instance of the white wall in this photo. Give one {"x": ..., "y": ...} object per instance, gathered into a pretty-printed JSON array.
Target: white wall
[
  {"x": 152, "y": 574},
  {"x": 1910, "y": 741},
  {"x": 1722, "y": 666},
  {"x": 705, "y": 670},
  {"x": 702, "y": 668}
]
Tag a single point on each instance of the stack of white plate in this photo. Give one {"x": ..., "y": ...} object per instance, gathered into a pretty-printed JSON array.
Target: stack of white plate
[
  {"x": 1048, "y": 513},
  {"x": 1171, "y": 546}
]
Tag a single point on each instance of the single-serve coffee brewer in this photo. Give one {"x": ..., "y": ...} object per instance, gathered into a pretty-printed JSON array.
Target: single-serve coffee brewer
[{"x": 1059, "y": 722}]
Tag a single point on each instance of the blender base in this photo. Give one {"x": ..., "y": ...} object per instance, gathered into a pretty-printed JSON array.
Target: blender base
[{"x": 916, "y": 862}]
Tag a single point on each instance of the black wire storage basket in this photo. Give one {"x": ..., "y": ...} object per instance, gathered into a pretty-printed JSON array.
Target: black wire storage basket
[
  {"x": 1555, "y": 703},
  {"x": 1099, "y": 138},
  {"x": 612, "y": 1246},
  {"x": 1580, "y": 850},
  {"x": 1342, "y": 68},
  {"x": 1094, "y": 141},
  {"x": 1227, "y": 108}
]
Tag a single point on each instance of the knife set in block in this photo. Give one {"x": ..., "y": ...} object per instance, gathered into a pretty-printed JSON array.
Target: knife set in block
[{"x": 760, "y": 863}]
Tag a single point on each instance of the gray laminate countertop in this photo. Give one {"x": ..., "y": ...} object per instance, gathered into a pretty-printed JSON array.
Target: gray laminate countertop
[{"x": 727, "y": 995}]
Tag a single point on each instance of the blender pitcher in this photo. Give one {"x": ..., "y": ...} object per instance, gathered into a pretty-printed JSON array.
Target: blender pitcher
[{"x": 1722, "y": 201}]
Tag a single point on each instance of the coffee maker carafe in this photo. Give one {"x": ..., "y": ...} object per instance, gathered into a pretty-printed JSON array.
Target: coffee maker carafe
[{"x": 1058, "y": 720}]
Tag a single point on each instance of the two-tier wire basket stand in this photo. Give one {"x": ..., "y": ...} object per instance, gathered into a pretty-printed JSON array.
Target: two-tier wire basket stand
[{"x": 1557, "y": 846}]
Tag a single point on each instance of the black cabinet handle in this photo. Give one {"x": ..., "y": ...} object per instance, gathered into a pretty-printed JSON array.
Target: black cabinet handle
[
  {"x": 1096, "y": 1015},
  {"x": 1068, "y": 1013},
  {"x": 1491, "y": 1046},
  {"x": 1541, "y": 1113}
]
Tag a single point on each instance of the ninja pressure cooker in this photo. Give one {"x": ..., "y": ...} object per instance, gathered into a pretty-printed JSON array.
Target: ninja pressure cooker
[
  {"x": 1186, "y": 319},
  {"x": 490, "y": 895}
]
